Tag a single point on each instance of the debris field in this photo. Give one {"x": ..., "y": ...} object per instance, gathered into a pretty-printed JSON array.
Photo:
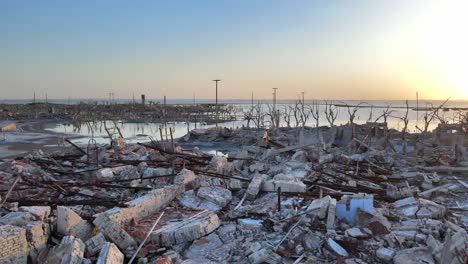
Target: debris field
[{"x": 346, "y": 194}]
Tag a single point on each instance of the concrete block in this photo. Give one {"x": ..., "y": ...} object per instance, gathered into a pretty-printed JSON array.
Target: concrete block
[
  {"x": 254, "y": 187},
  {"x": 189, "y": 229},
  {"x": 150, "y": 172},
  {"x": 17, "y": 218},
  {"x": 339, "y": 250},
  {"x": 70, "y": 223},
  {"x": 385, "y": 254},
  {"x": 293, "y": 185},
  {"x": 264, "y": 256},
  {"x": 217, "y": 195},
  {"x": 203, "y": 247},
  {"x": 94, "y": 245},
  {"x": 114, "y": 231},
  {"x": 414, "y": 255},
  {"x": 319, "y": 207},
  {"x": 145, "y": 205},
  {"x": 191, "y": 200},
  {"x": 13, "y": 244},
  {"x": 454, "y": 250},
  {"x": 69, "y": 251},
  {"x": 218, "y": 164},
  {"x": 187, "y": 178},
  {"x": 356, "y": 232},
  {"x": 37, "y": 234},
  {"x": 40, "y": 212},
  {"x": 331, "y": 215},
  {"x": 419, "y": 208},
  {"x": 110, "y": 254}
]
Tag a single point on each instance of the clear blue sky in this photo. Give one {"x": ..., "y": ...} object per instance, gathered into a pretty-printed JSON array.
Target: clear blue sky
[{"x": 329, "y": 49}]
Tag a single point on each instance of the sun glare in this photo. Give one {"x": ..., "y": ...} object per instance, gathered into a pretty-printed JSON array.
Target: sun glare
[{"x": 441, "y": 46}]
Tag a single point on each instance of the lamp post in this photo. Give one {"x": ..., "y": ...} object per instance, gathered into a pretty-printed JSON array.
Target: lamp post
[{"x": 216, "y": 106}]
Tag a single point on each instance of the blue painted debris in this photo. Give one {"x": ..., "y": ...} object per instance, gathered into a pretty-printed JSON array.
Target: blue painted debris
[{"x": 347, "y": 207}]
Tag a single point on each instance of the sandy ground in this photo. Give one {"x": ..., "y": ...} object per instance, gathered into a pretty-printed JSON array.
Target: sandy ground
[{"x": 31, "y": 136}]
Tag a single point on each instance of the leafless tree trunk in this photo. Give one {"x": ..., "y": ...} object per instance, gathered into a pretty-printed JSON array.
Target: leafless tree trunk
[
  {"x": 331, "y": 112},
  {"x": 287, "y": 115}
]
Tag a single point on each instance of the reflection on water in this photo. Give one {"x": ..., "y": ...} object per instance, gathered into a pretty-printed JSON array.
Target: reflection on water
[
  {"x": 132, "y": 132},
  {"x": 141, "y": 132}
]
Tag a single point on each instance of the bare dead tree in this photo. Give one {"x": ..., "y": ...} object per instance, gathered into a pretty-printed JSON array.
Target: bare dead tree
[
  {"x": 304, "y": 114},
  {"x": 331, "y": 112},
  {"x": 273, "y": 115},
  {"x": 429, "y": 117},
  {"x": 258, "y": 116},
  {"x": 352, "y": 111},
  {"x": 385, "y": 114},
  {"x": 370, "y": 113},
  {"x": 314, "y": 109},
  {"x": 297, "y": 114},
  {"x": 286, "y": 113}
]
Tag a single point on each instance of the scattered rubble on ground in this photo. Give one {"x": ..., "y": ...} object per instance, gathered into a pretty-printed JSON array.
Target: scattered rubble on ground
[{"x": 286, "y": 195}]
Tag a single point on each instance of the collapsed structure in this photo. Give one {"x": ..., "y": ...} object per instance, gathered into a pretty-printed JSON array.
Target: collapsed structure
[{"x": 289, "y": 195}]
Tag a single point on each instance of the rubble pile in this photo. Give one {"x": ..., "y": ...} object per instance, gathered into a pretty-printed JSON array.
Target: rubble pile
[{"x": 290, "y": 195}]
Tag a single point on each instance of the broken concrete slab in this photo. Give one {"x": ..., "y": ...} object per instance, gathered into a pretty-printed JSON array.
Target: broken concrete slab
[
  {"x": 455, "y": 250},
  {"x": 292, "y": 185},
  {"x": 218, "y": 164},
  {"x": 264, "y": 255},
  {"x": 69, "y": 251},
  {"x": 217, "y": 195},
  {"x": 40, "y": 212},
  {"x": 419, "y": 208},
  {"x": 227, "y": 233},
  {"x": 192, "y": 201},
  {"x": 187, "y": 178},
  {"x": 331, "y": 215},
  {"x": 145, "y": 205},
  {"x": 110, "y": 254},
  {"x": 336, "y": 248},
  {"x": 17, "y": 219},
  {"x": 203, "y": 247},
  {"x": 254, "y": 187},
  {"x": 113, "y": 230},
  {"x": 319, "y": 207},
  {"x": 70, "y": 223},
  {"x": 385, "y": 254},
  {"x": 94, "y": 245},
  {"x": 13, "y": 244},
  {"x": 37, "y": 234},
  {"x": 151, "y": 172},
  {"x": 189, "y": 229},
  {"x": 356, "y": 233},
  {"x": 415, "y": 255}
]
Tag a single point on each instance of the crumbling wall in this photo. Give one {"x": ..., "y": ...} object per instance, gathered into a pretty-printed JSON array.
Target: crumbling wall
[{"x": 13, "y": 244}]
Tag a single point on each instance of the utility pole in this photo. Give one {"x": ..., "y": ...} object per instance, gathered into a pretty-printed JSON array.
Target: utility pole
[
  {"x": 34, "y": 97},
  {"x": 252, "y": 101},
  {"x": 46, "y": 98},
  {"x": 303, "y": 102},
  {"x": 417, "y": 107},
  {"x": 216, "y": 106},
  {"x": 274, "y": 106},
  {"x": 274, "y": 99}
]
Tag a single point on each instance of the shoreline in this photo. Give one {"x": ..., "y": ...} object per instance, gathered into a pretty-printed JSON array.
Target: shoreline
[{"x": 30, "y": 136}]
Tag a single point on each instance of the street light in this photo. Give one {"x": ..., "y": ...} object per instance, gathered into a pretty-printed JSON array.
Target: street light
[{"x": 216, "y": 81}]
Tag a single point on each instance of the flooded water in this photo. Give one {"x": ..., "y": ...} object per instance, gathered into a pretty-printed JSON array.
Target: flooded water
[
  {"x": 142, "y": 132},
  {"x": 132, "y": 132}
]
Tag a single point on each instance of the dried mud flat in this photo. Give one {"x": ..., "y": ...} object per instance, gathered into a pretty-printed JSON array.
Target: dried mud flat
[{"x": 346, "y": 194}]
